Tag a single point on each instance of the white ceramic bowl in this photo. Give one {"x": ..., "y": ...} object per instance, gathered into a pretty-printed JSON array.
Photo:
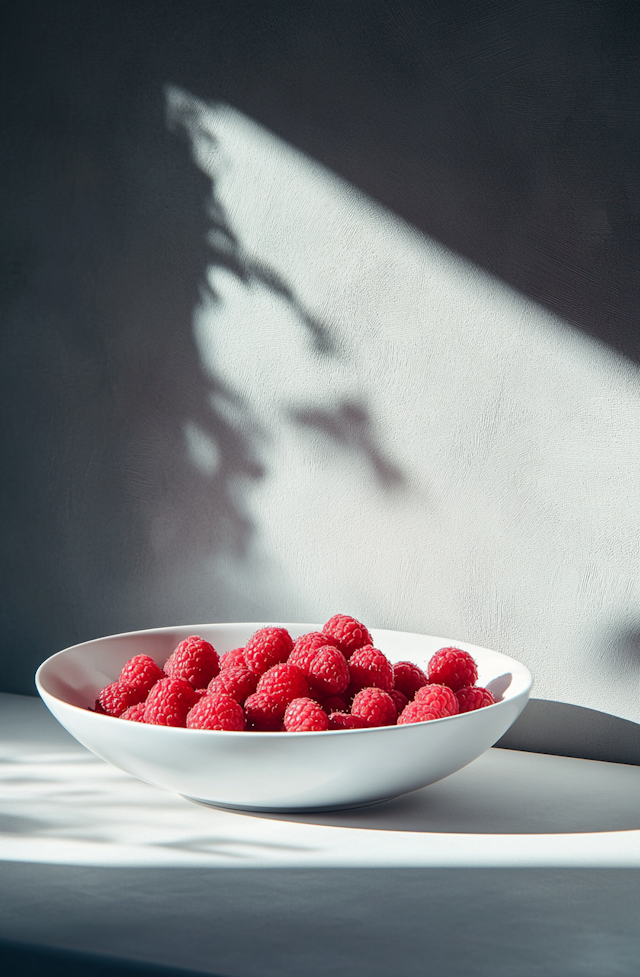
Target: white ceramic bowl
[{"x": 277, "y": 771}]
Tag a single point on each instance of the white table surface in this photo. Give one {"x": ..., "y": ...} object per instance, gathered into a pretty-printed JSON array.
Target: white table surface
[{"x": 519, "y": 865}]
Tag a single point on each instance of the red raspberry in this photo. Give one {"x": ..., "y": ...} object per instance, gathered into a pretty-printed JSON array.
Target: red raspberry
[
  {"x": 141, "y": 672},
  {"x": 400, "y": 700},
  {"x": 216, "y": 711},
  {"x": 454, "y": 668},
  {"x": 118, "y": 696},
  {"x": 284, "y": 682},
  {"x": 305, "y": 716},
  {"x": 418, "y": 712},
  {"x": 305, "y": 648},
  {"x": 369, "y": 668},
  {"x": 237, "y": 682},
  {"x": 473, "y": 698},
  {"x": 408, "y": 678},
  {"x": 266, "y": 648},
  {"x": 264, "y": 712},
  {"x": 232, "y": 659},
  {"x": 329, "y": 672},
  {"x": 194, "y": 660},
  {"x": 169, "y": 702},
  {"x": 135, "y": 713},
  {"x": 347, "y": 633},
  {"x": 440, "y": 697},
  {"x": 376, "y": 707},
  {"x": 334, "y": 703},
  {"x": 344, "y": 720}
]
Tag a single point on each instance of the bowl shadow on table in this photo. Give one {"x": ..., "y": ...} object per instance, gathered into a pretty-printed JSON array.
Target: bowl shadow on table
[{"x": 520, "y": 788}]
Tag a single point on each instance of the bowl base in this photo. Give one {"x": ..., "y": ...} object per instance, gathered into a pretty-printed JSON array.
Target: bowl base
[{"x": 283, "y": 809}]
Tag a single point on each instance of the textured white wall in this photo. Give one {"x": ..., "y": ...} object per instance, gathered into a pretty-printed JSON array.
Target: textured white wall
[{"x": 450, "y": 458}]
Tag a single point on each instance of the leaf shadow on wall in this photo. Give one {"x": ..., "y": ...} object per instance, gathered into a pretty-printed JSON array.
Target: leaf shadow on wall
[
  {"x": 508, "y": 134},
  {"x": 110, "y": 231}
]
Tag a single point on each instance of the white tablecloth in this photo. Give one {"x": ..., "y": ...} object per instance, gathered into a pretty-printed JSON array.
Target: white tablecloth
[{"x": 520, "y": 865}]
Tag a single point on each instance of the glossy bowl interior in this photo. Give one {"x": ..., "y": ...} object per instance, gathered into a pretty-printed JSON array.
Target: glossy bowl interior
[{"x": 278, "y": 771}]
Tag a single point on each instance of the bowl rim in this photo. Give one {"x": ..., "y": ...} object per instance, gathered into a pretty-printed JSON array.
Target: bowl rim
[{"x": 44, "y": 693}]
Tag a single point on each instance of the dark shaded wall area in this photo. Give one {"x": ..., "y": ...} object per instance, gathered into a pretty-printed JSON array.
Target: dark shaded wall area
[{"x": 508, "y": 131}]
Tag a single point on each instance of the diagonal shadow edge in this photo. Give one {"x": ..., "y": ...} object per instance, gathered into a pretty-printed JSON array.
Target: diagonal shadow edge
[{"x": 615, "y": 329}]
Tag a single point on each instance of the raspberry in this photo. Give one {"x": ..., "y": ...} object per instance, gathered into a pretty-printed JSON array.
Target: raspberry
[
  {"x": 194, "y": 660},
  {"x": 441, "y": 698},
  {"x": 135, "y": 713},
  {"x": 237, "y": 682},
  {"x": 329, "y": 672},
  {"x": 474, "y": 697},
  {"x": 233, "y": 658},
  {"x": 264, "y": 712},
  {"x": 376, "y": 707},
  {"x": 454, "y": 668},
  {"x": 118, "y": 696},
  {"x": 305, "y": 716},
  {"x": 284, "y": 682},
  {"x": 305, "y": 648},
  {"x": 169, "y": 702},
  {"x": 344, "y": 720},
  {"x": 141, "y": 672},
  {"x": 334, "y": 703},
  {"x": 266, "y": 648},
  {"x": 216, "y": 711},
  {"x": 418, "y": 712},
  {"x": 347, "y": 633},
  {"x": 400, "y": 700},
  {"x": 369, "y": 668},
  {"x": 408, "y": 678}
]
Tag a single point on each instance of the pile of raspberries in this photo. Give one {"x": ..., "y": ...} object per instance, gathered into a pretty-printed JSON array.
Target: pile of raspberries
[{"x": 330, "y": 679}]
